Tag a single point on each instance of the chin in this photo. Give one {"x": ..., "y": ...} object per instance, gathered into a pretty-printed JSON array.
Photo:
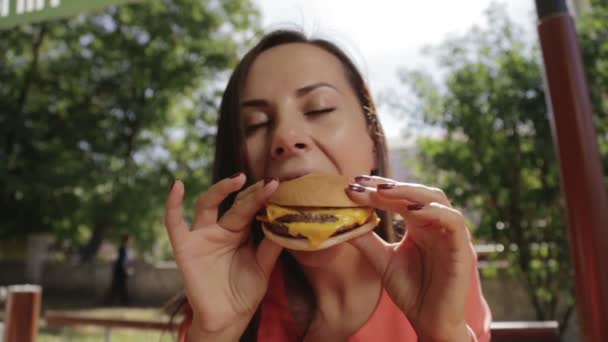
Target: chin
[{"x": 320, "y": 258}]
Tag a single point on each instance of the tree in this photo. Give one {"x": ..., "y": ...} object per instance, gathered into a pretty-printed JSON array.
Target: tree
[
  {"x": 495, "y": 157},
  {"x": 593, "y": 29},
  {"x": 99, "y": 113}
]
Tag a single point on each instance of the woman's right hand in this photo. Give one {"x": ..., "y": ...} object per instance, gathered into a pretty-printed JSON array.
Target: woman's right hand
[{"x": 224, "y": 274}]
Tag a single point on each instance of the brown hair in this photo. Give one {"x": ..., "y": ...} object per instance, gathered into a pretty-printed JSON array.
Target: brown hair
[{"x": 230, "y": 156}]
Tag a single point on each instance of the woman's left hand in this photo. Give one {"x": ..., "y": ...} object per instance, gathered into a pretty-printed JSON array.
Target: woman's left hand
[{"x": 428, "y": 273}]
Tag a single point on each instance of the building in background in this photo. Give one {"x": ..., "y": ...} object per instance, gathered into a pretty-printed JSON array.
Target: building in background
[
  {"x": 578, "y": 7},
  {"x": 401, "y": 154}
]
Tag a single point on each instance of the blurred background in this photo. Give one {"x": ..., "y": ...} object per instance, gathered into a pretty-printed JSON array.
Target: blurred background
[{"x": 101, "y": 108}]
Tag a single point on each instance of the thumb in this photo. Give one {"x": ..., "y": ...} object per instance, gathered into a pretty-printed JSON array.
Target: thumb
[
  {"x": 267, "y": 254},
  {"x": 377, "y": 251}
]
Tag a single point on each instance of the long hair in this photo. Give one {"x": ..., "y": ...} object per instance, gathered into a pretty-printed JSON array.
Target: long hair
[{"x": 230, "y": 152}]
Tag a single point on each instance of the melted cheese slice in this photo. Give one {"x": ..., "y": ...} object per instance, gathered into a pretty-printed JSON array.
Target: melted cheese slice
[{"x": 317, "y": 232}]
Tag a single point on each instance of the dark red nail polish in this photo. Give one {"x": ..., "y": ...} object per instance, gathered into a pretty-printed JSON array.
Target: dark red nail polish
[
  {"x": 413, "y": 207},
  {"x": 236, "y": 175},
  {"x": 363, "y": 178},
  {"x": 356, "y": 188},
  {"x": 386, "y": 186},
  {"x": 268, "y": 180}
]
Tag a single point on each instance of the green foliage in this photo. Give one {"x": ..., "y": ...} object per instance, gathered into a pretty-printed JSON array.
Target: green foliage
[
  {"x": 496, "y": 156},
  {"x": 99, "y": 113},
  {"x": 593, "y": 31}
]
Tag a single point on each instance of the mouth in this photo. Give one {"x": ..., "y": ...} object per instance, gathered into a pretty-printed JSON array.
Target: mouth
[{"x": 292, "y": 175}]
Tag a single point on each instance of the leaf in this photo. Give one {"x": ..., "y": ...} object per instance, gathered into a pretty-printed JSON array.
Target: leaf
[{"x": 90, "y": 148}]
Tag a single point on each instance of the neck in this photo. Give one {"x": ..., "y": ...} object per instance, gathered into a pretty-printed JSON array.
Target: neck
[{"x": 344, "y": 283}]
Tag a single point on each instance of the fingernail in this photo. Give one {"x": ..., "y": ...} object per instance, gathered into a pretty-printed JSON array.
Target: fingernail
[
  {"x": 363, "y": 178},
  {"x": 268, "y": 180},
  {"x": 356, "y": 188},
  {"x": 413, "y": 207},
  {"x": 385, "y": 186},
  {"x": 236, "y": 175}
]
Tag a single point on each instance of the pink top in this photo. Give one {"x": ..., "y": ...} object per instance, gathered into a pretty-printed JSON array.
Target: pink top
[{"x": 387, "y": 323}]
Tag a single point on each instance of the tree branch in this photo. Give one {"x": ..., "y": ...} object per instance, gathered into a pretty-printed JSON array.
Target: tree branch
[
  {"x": 25, "y": 88},
  {"x": 27, "y": 83},
  {"x": 563, "y": 324},
  {"x": 22, "y": 98}
]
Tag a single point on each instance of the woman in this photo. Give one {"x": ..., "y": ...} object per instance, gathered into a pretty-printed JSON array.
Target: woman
[{"x": 295, "y": 106}]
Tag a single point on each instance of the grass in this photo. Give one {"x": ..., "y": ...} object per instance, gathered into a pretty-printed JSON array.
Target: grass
[
  {"x": 93, "y": 334},
  {"x": 89, "y": 307},
  {"x": 98, "y": 334}
]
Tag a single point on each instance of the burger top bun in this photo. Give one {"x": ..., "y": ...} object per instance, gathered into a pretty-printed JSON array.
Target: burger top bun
[{"x": 314, "y": 190}]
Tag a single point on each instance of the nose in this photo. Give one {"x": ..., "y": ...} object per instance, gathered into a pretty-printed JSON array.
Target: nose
[{"x": 288, "y": 142}]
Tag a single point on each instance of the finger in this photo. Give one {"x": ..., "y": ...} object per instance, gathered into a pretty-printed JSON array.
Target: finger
[
  {"x": 267, "y": 254},
  {"x": 250, "y": 189},
  {"x": 423, "y": 214},
  {"x": 372, "y": 181},
  {"x": 415, "y": 193},
  {"x": 174, "y": 213},
  {"x": 439, "y": 217},
  {"x": 369, "y": 197},
  {"x": 240, "y": 215},
  {"x": 208, "y": 203},
  {"x": 375, "y": 250},
  {"x": 376, "y": 198}
]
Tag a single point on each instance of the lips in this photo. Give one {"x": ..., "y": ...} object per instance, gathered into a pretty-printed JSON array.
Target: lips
[{"x": 293, "y": 175}]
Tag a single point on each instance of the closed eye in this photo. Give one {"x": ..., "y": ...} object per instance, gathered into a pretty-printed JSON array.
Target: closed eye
[
  {"x": 250, "y": 129},
  {"x": 320, "y": 111}
]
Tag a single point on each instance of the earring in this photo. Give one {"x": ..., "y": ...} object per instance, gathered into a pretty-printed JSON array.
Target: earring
[{"x": 371, "y": 118}]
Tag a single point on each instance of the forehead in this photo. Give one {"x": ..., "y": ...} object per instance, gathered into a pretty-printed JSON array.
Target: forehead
[{"x": 291, "y": 66}]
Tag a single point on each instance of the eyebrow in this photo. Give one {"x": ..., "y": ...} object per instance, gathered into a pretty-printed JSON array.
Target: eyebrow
[
  {"x": 307, "y": 89},
  {"x": 260, "y": 103}
]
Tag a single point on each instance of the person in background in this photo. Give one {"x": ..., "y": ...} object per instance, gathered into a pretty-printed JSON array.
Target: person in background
[{"x": 121, "y": 271}]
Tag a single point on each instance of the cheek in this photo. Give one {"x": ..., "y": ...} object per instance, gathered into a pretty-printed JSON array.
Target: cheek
[
  {"x": 256, "y": 155},
  {"x": 351, "y": 148}
]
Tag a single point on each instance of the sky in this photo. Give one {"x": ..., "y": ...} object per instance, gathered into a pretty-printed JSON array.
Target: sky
[{"x": 384, "y": 35}]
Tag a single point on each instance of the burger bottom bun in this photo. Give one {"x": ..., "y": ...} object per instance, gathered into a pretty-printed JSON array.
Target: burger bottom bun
[{"x": 302, "y": 244}]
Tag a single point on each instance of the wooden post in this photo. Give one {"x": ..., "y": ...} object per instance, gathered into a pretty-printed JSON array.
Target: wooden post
[
  {"x": 22, "y": 313},
  {"x": 580, "y": 168}
]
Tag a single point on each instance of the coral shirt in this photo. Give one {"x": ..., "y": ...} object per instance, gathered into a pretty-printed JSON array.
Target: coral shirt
[{"x": 387, "y": 323}]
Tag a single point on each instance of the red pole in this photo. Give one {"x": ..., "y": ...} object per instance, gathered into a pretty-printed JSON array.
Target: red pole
[
  {"x": 581, "y": 172},
  {"x": 22, "y": 313}
]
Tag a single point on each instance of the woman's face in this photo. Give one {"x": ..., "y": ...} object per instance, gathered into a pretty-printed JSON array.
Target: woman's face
[{"x": 301, "y": 115}]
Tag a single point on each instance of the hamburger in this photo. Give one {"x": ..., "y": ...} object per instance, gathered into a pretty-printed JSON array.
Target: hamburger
[{"x": 313, "y": 212}]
